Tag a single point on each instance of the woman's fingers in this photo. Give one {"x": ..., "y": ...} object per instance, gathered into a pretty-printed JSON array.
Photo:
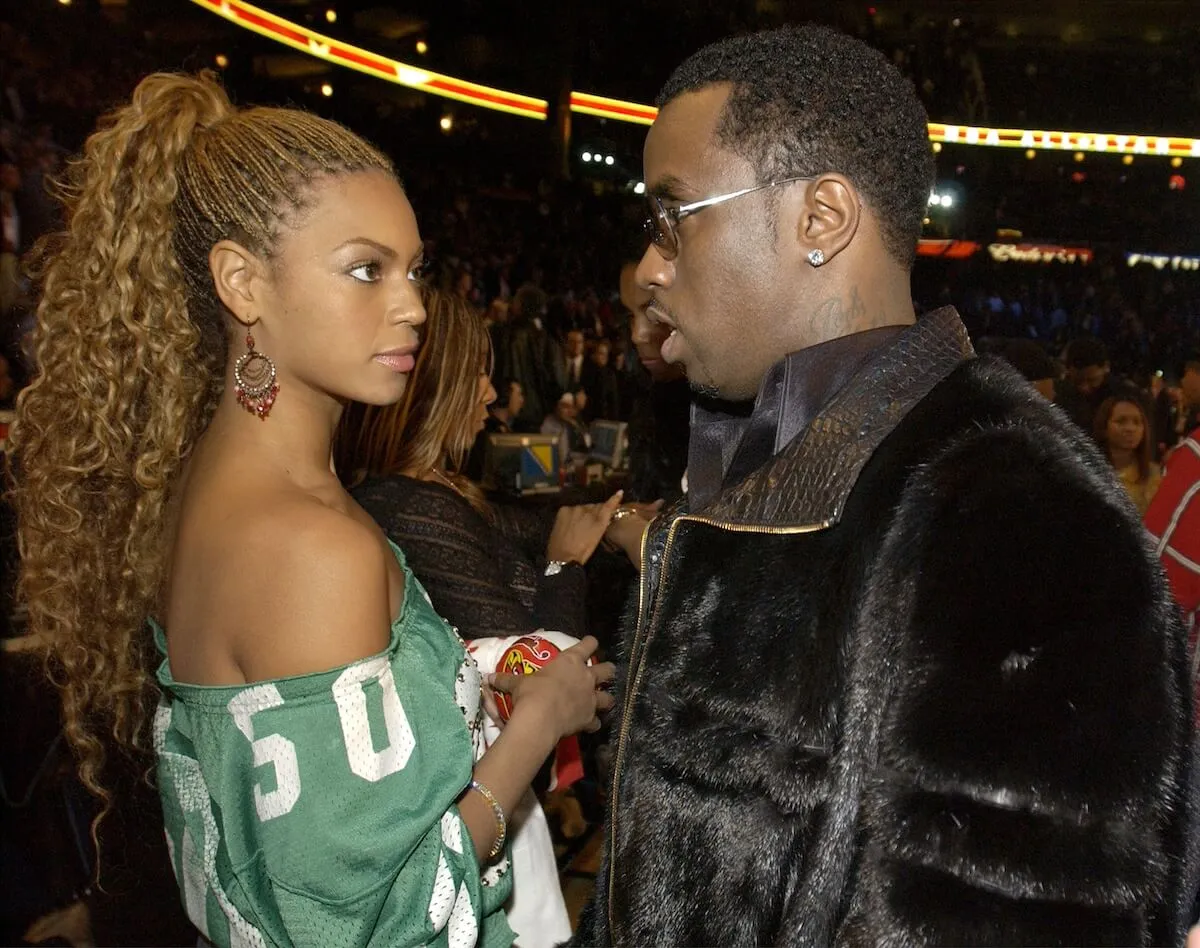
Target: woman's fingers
[
  {"x": 585, "y": 648},
  {"x": 609, "y": 507},
  {"x": 504, "y": 683}
]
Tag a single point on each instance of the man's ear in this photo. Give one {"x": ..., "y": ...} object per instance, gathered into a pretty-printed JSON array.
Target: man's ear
[
  {"x": 830, "y": 216},
  {"x": 236, "y": 274}
]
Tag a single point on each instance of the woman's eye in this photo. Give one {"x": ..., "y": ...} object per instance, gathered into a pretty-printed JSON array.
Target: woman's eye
[
  {"x": 419, "y": 272},
  {"x": 367, "y": 272}
]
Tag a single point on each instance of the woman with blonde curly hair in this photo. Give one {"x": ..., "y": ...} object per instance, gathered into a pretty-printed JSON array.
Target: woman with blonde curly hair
[{"x": 228, "y": 280}]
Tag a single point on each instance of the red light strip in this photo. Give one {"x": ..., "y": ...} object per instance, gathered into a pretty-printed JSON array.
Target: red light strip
[
  {"x": 612, "y": 108},
  {"x": 947, "y": 249}
]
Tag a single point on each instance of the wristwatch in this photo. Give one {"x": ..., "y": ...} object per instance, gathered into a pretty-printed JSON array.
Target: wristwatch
[{"x": 554, "y": 567}]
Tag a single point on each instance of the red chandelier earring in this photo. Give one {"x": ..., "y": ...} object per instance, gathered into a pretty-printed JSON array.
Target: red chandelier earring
[{"x": 254, "y": 374}]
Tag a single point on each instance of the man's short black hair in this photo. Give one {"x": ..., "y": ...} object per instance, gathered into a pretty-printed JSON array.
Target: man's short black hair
[{"x": 808, "y": 100}]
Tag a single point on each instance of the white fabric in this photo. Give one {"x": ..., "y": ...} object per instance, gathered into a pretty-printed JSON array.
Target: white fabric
[{"x": 536, "y": 910}]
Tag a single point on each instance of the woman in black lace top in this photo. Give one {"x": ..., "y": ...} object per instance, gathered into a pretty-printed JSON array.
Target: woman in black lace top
[{"x": 490, "y": 570}]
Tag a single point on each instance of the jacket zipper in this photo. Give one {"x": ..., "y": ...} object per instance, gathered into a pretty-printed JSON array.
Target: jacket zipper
[{"x": 636, "y": 660}]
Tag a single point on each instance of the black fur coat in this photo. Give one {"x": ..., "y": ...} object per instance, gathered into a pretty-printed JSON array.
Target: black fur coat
[{"x": 917, "y": 680}]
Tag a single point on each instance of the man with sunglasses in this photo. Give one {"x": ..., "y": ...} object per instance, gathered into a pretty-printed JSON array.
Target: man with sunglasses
[{"x": 903, "y": 670}]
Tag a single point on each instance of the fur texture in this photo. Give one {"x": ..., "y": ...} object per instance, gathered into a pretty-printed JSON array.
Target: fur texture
[{"x": 957, "y": 715}]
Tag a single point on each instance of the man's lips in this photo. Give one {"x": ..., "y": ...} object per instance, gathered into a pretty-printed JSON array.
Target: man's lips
[
  {"x": 659, "y": 316},
  {"x": 670, "y": 347}
]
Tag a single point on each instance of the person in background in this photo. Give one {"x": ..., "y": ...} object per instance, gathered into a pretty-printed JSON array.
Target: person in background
[
  {"x": 524, "y": 352},
  {"x": 506, "y": 409},
  {"x": 1184, "y": 401},
  {"x": 229, "y": 279},
  {"x": 572, "y": 363},
  {"x": 1166, "y": 401},
  {"x": 600, "y": 384},
  {"x": 659, "y": 423},
  {"x": 464, "y": 285},
  {"x": 1173, "y": 519},
  {"x": 564, "y": 423},
  {"x": 495, "y": 315},
  {"x": 502, "y": 418},
  {"x": 1123, "y": 431},
  {"x": 624, "y": 360},
  {"x": 487, "y": 567},
  {"x": 1087, "y": 381},
  {"x": 1028, "y": 358}
]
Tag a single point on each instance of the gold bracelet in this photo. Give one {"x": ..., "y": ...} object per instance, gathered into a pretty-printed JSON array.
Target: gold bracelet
[
  {"x": 621, "y": 513},
  {"x": 498, "y": 813}
]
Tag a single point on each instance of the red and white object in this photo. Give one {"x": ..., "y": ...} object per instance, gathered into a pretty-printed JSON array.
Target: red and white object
[{"x": 525, "y": 655}]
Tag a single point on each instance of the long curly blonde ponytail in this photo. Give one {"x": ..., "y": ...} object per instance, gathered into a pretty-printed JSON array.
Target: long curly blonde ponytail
[{"x": 131, "y": 348}]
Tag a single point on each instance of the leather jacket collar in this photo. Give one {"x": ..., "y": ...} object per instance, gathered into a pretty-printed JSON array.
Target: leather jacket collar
[{"x": 807, "y": 482}]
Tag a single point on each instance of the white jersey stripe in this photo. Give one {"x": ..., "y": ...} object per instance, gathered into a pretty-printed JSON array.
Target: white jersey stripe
[{"x": 1165, "y": 539}]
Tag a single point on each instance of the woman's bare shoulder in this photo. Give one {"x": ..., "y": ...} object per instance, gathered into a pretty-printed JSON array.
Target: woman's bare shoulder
[{"x": 293, "y": 586}]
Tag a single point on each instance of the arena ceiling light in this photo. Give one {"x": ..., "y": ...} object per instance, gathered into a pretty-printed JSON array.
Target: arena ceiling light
[
  {"x": 601, "y": 107},
  {"x": 316, "y": 44},
  {"x": 1101, "y": 142},
  {"x": 300, "y": 37},
  {"x": 941, "y": 133}
]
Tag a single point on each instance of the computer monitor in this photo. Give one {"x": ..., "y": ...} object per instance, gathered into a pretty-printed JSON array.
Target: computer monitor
[
  {"x": 521, "y": 463},
  {"x": 608, "y": 443}
]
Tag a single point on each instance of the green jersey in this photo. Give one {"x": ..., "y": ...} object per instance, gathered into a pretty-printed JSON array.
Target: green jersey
[{"x": 320, "y": 809}]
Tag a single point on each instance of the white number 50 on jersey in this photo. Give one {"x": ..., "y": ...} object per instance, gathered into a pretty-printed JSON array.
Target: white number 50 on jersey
[{"x": 364, "y": 760}]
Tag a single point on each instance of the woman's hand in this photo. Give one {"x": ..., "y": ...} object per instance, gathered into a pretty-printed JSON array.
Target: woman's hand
[
  {"x": 626, "y": 534},
  {"x": 578, "y": 530},
  {"x": 629, "y": 527},
  {"x": 487, "y": 695},
  {"x": 645, "y": 511},
  {"x": 566, "y": 694}
]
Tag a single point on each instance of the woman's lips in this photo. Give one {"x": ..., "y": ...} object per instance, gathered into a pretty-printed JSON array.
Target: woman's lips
[{"x": 399, "y": 362}]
